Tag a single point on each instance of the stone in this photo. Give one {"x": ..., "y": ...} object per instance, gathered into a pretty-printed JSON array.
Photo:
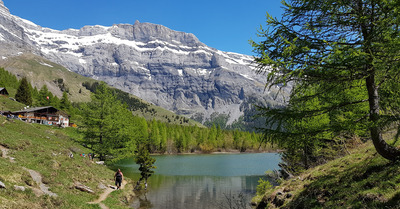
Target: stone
[
  {"x": 83, "y": 188},
  {"x": 19, "y": 188},
  {"x": 2, "y": 185}
]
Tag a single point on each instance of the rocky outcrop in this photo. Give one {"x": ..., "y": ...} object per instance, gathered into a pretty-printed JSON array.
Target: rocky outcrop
[
  {"x": 38, "y": 179},
  {"x": 83, "y": 188},
  {"x": 171, "y": 69}
]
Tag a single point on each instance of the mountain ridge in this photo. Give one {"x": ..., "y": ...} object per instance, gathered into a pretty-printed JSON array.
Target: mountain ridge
[{"x": 168, "y": 68}]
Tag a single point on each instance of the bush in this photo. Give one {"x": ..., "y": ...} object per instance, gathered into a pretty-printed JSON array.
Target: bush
[{"x": 262, "y": 186}]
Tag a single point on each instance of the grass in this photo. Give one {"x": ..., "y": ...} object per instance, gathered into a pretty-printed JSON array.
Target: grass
[
  {"x": 362, "y": 179},
  {"x": 46, "y": 149},
  {"x": 40, "y": 71},
  {"x": 7, "y": 104}
]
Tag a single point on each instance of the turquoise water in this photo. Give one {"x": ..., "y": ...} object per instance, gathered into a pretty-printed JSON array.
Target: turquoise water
[{"x": 202, "y": 181}]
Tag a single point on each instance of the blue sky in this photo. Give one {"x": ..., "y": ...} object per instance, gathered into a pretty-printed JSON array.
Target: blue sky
[{"x": 222, "y": 24}]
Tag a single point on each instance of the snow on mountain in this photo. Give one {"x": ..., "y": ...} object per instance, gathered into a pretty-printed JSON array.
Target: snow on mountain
[{"x": 168, "y": 68}]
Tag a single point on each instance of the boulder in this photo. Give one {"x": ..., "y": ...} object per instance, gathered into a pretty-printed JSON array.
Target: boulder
[
  {"x": 83, "y": 188},
  {"x": 2, "y": 185}
]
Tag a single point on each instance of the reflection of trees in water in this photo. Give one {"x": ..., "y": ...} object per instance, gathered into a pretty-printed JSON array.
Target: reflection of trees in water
[
  {"x": 234, "y": 201},
  {"x": 141, "y": 202},
  {"x": 199, "y": 192}
]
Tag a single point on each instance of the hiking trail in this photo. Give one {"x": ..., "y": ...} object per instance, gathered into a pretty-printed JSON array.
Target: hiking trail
[{"x": 105, "y": 194}]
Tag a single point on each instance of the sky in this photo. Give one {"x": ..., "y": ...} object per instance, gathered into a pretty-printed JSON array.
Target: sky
[{"x": 226, "y": 25}]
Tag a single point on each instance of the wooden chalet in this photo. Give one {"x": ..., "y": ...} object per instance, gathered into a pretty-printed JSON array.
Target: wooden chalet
[
  {"x": 43, "y": 115},
  {"x": 3, "y": 91}
]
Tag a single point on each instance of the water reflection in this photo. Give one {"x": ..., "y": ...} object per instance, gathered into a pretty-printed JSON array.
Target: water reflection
[
  {"x": 201, "y": 181},
  {"x": 197, "y": 191}
]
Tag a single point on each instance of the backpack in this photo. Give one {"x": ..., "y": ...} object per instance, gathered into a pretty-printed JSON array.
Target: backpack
[{"x": 119, "y": 175}]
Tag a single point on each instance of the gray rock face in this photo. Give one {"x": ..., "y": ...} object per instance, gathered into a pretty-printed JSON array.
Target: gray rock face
[{"x": 171, "y": 69}]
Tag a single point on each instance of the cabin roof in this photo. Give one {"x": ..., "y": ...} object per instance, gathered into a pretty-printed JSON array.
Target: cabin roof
[
  {"x": 35, "y": 109},
  {"x": 3, "y": 88}
]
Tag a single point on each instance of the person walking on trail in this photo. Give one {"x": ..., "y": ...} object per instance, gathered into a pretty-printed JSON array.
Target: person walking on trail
[{"x": 118, "y": 177}]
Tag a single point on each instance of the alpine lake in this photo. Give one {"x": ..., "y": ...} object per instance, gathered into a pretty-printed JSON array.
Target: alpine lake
[{"x": 201, "y": 180}]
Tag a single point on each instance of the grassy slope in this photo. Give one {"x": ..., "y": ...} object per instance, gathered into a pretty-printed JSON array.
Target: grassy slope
[
  {"x": 46, "y": 150},
  {"x": 8, "y": 104},
  {"x": 362, "y": 179},
  {"x": 39, "y": 72}
]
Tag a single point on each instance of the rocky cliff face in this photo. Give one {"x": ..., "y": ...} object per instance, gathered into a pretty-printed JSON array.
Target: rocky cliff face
[{"x": 171, "y": 69}]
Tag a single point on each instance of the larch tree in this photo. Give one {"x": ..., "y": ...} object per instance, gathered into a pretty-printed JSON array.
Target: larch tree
[
  {"x": 345, "y": 55},
  {"x": 109, "y": 130}
]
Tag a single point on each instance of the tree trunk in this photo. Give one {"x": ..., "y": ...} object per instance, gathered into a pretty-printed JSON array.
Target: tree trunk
[{"x": 383, "y": 148}]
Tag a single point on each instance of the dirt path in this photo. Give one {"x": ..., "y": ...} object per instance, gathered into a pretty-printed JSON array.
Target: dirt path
[
  {"x": 105, "y": 194},
  {"x": 4, "y": 154}
]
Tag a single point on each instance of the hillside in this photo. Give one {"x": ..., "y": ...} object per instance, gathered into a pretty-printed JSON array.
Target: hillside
[
  {"x": 45, "y": 150},
  {"x": 57, "y": 78},
  {"x": 362, "y": 179}
]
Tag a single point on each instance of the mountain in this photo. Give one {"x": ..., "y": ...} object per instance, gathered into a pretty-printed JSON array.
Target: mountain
[{"x": 168, "y": 68}]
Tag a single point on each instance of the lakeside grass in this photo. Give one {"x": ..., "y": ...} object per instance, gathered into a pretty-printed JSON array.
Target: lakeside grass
[
  {"x": 362, "y": 179},
  {"x": 46, "y": 150}
]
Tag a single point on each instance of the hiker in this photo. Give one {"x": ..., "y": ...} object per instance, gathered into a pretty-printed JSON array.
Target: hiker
[{"x": 119, "y": 177}]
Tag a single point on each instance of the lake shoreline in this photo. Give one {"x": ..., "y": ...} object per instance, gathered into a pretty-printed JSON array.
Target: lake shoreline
[{"x": 219, "y": 152}]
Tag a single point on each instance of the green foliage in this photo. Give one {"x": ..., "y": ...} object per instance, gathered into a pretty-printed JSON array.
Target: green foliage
[
  {"x": 217, "y": 119},
  {"x": 145, "y": 162},
  {"x": 164, "y": 137},
  {"x": 45, "y": 97},
  {"x": 133, "y": 103},
  {"x": 262, "y": 186},
  {"x": 341, "y": 59},
  {"x": 108, "y": 126},
  {"x": 64, "y": 102},
  {"x": 24, "y": 92},
  {"x": 8, "y": 80}
]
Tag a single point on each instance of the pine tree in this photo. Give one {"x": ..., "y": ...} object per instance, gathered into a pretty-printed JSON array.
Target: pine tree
[
  {"x": 44, "y": 96},
  {"x": 65, "y": 103},
  {"x": 24, "y": 92}
]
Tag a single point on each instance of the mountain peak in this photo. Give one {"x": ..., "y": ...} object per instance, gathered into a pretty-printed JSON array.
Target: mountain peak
[{"x": 3, "y": 9}]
